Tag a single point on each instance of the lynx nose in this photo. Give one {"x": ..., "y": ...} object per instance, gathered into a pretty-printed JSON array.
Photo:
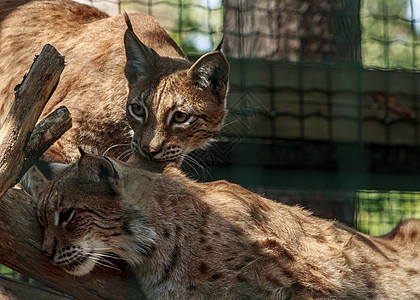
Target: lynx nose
[
  {"x": 49, "y": 254},
  {"x": 48, "y": 247},
  {"x": 149, "y": 151}
]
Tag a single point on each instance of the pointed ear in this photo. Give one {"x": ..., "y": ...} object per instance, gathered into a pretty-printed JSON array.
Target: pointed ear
[
  {"x": 39, "y": 175},
  {"x": 141, "y": 60},
  {"x": 211, "y": 71},
  {"x": 97, "y": 172},
  {"x": 50, "y": 170},
  {"x": 220, "y": 46},
  {"x": 81, "y": 151}
]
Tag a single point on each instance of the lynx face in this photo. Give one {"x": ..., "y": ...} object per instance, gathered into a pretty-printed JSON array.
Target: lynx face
[
  {"x": 173, "y": 107},
  {"x": 169, "y": 122},
  {"x": 81, "y": 232},
  {"x": 75, "y": 234}
]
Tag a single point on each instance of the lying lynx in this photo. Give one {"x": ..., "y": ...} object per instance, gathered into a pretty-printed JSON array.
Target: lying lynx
[
  {"x": 220, "y": 242},
  {"x": 173, "y": 106}
]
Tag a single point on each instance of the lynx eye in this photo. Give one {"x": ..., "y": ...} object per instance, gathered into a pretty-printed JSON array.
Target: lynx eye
[
  {"x": 137, "y": 110},
  {"x": 180, "y": 117},
  {"x": 40, "y": 220}
]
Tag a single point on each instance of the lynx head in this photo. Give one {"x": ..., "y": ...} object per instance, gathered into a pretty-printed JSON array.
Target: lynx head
[
  {"x": 173, "y": 106},
  {"x": 85, "y": 221}
]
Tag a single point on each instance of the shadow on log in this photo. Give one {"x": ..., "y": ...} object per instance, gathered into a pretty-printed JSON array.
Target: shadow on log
[{"x": 20, "y": 233}]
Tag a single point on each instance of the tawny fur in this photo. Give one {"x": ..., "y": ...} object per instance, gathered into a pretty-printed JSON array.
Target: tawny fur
[
  {"x": 93, "y": 85},
  {"x": 189, "y": 240}
]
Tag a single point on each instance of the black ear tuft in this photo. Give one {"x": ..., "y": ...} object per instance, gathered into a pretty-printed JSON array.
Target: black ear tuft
[
  {"x": 141, "y": 60},
  {"x": 81, "y": 151},
  {"x": 128, "y": 22},
  {"x": 220, "y": 46},
  {"x": 211, "y": 72}
]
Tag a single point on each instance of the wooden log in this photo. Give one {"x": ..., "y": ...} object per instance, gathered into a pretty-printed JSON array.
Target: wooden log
[
  {"x": 15, "y": 289},
  {"x": 30, "y": 98}
]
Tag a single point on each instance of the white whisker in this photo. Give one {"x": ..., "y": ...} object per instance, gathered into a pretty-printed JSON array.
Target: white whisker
[
  {"x": 106, "y": 265},
  {"x": 107, "y": 255},
  {"x": 33, "y": 242},
  {"x": 190, "y": 161},
  {"x": 224, "y": 125},
  {"x": 186, "y": 162},
  {"x": 124, "y": 155},
  {"x": 114, "y": 146},
  {"x": 97, "y": 249},
  {"x": 94, "y": 252},
  {"x": 100, "y": 260}
]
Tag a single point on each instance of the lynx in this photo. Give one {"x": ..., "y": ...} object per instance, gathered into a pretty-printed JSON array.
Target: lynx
[
  {"x": 172, "y": 105},
  {"x": 220, "y": 242}
]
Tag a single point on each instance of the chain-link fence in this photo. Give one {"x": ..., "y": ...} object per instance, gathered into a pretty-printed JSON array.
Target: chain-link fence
[
  {"x": 377, "y": 212},
  {"x": 390, "y": 32},
  {"x": 197, "y": 26},
  {"x": 380, "y": 33}
]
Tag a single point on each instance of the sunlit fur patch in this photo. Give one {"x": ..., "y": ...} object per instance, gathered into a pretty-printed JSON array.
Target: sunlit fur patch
[{"x": 131, "y": 133}]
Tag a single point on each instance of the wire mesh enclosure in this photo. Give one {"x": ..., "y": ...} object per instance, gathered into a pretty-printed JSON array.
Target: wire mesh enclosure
[
  {"x": 377, "y": 212},
  {"x": 390, "y": 34},
  {"x": 378, "y": 33}
]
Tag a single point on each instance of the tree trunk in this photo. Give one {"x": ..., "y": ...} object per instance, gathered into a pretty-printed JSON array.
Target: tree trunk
[
  {"x": 305, "y": 30},
  {"x": 20, "y": 233}
]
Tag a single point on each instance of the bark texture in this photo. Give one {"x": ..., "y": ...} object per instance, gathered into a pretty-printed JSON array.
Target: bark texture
[{"x": 30, "y": 99}]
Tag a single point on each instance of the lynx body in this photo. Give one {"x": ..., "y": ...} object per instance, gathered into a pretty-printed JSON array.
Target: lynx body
[{"x": 188, "y": 240}]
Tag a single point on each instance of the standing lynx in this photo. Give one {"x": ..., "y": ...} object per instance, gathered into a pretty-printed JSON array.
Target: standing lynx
[
  {"x": 172, "y": 105},
  {"x": 220, "y": 242}
]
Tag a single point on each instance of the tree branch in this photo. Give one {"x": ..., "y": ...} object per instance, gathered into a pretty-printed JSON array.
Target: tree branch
[
  {"x": 44, "y": 135},
  {"x": 30, "y": 98}
]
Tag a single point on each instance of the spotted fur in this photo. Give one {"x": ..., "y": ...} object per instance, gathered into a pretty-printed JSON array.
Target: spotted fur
[
  {"x": 189, "y": 240},
  {"x": 103, "y": 55}
]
